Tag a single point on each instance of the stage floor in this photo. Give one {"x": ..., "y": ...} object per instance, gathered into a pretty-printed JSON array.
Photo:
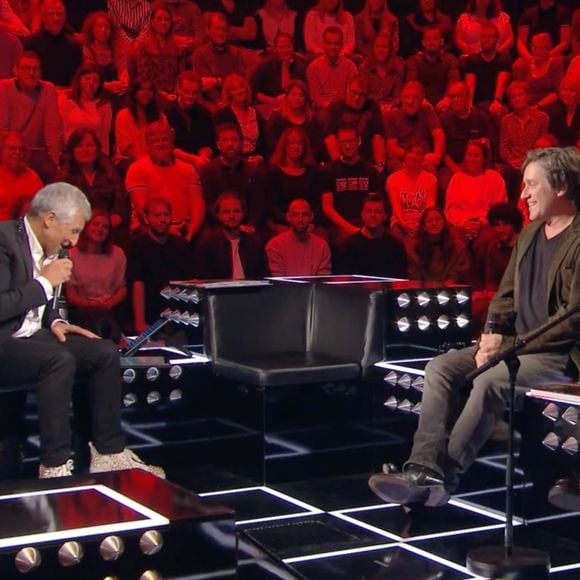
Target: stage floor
[{"x": 333, "y": 528}]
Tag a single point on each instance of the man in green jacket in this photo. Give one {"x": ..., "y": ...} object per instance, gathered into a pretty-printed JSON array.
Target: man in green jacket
[{"x": 542, "y": 281}]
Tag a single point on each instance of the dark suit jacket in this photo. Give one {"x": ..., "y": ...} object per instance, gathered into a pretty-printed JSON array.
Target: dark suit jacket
[
  {"x": 19, "y": 292},
  {"x": 214, "y": 256}
]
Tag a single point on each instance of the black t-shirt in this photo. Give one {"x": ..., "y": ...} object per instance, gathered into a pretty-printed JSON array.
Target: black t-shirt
[
  {"x": 486, "y": 72},
  {"x": 550, "y": 21},
  {"x": 155, "y": 264},
  {"x": 532, "y": 306},
  {"x": 459, "y": 131},
  {"x": 384, "y": 256},
  {"x": 350, "y": 184}
]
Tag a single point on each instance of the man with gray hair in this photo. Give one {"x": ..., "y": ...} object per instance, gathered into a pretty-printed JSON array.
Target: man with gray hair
[
  {"x": 541, "y": 281},
  {"x": 39, "y": 347}
]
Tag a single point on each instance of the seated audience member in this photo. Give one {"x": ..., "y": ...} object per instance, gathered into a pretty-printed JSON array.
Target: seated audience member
[
  {"x": 490, "y": 258},
  {"x": 240, "y": 18},
  {"x": 434, "y": 68},
  {"x": 425, "y": 15},
  {"x": 229, "y": 171},
  {"x": 97, "y": 284},
  {"x": 372, "y": 250},
  {"x": 375, "y": 18},
  {"x": 155, "y": 257},
  {"x": 470, "y": 25},
  {"x": 413, "y": 121},
  {"x": 273, "y": 75},
  {"x": 487, "y": 73},
  {"x": 564, "y": 115},
  {"x": 10, "y": 51},
  {"x": 217, "y": 58},
  {"x": 460, "y": 123},
  {"x": 297, "y": 251},
  {"x": 275, "y": 18},
  {"x": 438, "y": 255},
  {"x": 188, "y": 25},
  {"x": 410, "y": 191},
  {"x": 30, "y": 107},
  {"x": 40, "y": 348},
  {"x": 328, "y": 14},
  {"x": 191, "y": 121},
  {"x": 383, "y": 71},
  {"x": 157, "y": 56},
  {"x": 130, "y": 122},
  {"x": 83, "y": 106},
  {"x": 18, "y": 183},
  {"x": 518, "y": 132},
  {"x": 473, "y": 190},
  {"x": 236, "y": 107},
  {"x": 228, "y": 251},
  {"x": 357, "y": 110},
  {"x": 85, "y": 166},
  {"x": 296, "y": 111},
  {"x": 60, "y": 56},
  {"x": 100, "y": 49},
  {"x": 159, "y": 174},
  {"x": 541, "y": 73},
  {"x": 545, "y": 16},
  {"x": 345, "y": 184},
  {"x": 329, "y": 74},
  {"x": 291, "y": 175}
]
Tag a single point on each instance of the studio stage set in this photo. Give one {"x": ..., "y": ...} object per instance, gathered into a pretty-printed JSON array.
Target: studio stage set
[{"x": 291, "y": 394}]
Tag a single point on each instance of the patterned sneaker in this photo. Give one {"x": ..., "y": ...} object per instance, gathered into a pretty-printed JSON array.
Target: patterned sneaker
[
  {"x": 119, "y": 461},
  {"x": 63, "y": 470}
]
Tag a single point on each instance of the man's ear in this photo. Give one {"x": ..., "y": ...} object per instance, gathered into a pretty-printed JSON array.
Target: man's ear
[{"x": 48, "y": 219}]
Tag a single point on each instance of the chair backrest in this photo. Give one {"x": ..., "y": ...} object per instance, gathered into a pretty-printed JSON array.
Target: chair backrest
[
  {"x": 348, "y": 322},
  {"x": 268, "y": 319}
]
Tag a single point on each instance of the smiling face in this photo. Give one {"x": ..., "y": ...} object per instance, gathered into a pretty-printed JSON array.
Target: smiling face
[
  {"x": 518, "y": 96},
  {"x": 97, "y": 229},
  {"x": 542, "y": 200},
  {"x": 283, "y": 48},
  {"x": 188, "y": 93},
  {"x": 53, "y": 16},
  {"x": 27, "y": 72}
]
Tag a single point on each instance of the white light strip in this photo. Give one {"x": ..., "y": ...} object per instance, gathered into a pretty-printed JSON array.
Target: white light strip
[
  {"x": 153, "y": 520},
  {"x": 368, "y": 527},
  {"x": 489, "y": 461},
  {"x": 451, "y": 533},
  {"x": 367, "y": 508},
  {"x": 493, "y": 490},
  {"x": 408, "y": 360},
  {"x": 489, "y": 512},
  {"x": 565, "y": 568},
  {"x": 189, "y": 361},
  {"x": 393, "y": 367},
  {"x": 434, "y": 558},
  {"x": 346, "y": 552},
  {"x": 230, "y": 491},
  {"x": 278, "y": 518},
  {"x": 292, "y": 500},
  {"x": 552, "y": 517},
  {"x": 46, "y": 492}
]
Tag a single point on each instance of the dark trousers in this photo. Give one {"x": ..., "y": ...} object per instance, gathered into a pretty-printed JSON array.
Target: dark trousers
[
  {"x": 51, "y": 367},
  {"x": 457, "y": 419}
]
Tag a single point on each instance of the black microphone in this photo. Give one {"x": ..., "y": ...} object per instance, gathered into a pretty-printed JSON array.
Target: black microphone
[{"x": 62, "y": 253}]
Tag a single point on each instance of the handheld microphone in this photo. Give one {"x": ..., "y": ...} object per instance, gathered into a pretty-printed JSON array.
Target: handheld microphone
[{"x": 62, "y": 253}]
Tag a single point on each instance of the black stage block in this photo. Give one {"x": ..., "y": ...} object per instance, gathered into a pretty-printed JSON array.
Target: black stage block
[{"x": 119, "y": 524}]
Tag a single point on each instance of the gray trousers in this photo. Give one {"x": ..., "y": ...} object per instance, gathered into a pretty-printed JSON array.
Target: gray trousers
[{"x": 457, "y": 418}]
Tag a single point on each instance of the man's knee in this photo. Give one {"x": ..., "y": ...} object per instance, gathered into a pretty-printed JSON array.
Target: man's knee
[
  {"x": 105, "y": 352},
  {"x": 449, "y": 365}
]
